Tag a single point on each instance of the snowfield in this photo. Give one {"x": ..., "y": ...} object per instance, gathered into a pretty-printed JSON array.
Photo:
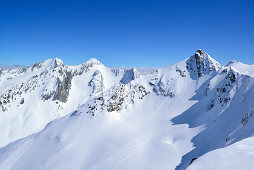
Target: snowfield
[
  {"x": 234, "y": 157},
  {"x": 194, "y": 114}
]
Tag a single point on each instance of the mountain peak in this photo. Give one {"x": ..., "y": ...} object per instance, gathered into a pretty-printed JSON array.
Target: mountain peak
[
  {"x": 201, "y": 63},
  {"x": 49, "y": 63},
  {"x": 55, "y": 62},
  {"x": 201, "y": 54},
  {"x": 92, "y": 62},
  {"x": 89, "y": 64}
]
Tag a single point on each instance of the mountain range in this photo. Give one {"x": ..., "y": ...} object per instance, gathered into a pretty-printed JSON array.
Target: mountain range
[{"x": 195, "y": 114}]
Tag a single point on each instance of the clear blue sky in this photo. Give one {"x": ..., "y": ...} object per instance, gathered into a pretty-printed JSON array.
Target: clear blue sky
[{"x": 125, "y": 32}]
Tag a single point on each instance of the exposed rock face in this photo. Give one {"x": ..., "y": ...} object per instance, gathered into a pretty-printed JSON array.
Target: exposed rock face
[
  {"x": 115, "y": 99},
  {"x": 231, "y": 76},
  {"x": 181, "y": 72},
  {"x": 59, "y": 87},
  {"x": 247, "y": 117},
  {"x": 63, "y": 80},
  {"x": 226, "y": 89},
  {"x": 201, "y": 63},
  {"x": 22, "y": 101},
  {"x": 160, "y": 87},
  {"x": 15, "y": 94},
  {"x": 1, "y": 72},
  {"x": 63, "y": 87}
]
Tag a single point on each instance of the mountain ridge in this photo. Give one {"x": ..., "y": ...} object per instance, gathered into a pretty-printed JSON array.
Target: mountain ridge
[{"x": 169, "y": 111}]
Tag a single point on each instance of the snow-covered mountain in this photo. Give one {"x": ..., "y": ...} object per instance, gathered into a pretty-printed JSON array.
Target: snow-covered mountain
[{"x": 54, "y": 116}]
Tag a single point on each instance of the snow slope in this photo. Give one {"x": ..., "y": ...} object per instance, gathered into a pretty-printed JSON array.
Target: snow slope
[
  {"x": 241, "y": 67},
  {"x": 132, "y": 139},
  {"x": 123, "y": 118},
  {"x": 234, "y": 157}
]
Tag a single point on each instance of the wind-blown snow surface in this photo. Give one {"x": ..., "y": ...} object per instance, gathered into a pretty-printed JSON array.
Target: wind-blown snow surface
[{"x": 102, "y": 118}]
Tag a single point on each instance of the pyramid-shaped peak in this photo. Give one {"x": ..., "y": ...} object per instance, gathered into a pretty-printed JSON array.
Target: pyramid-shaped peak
[
  {"x": 201, "y": 54},
  {"x": 92, "y": 62},
  {"x": 201, "y": 63},
  {"x": 89, "y": 64}
]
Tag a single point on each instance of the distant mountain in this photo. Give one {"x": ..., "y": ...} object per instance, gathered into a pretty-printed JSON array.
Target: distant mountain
[
  {"x": 12, "y": 67},
  {"x": 54, "y": 116}
]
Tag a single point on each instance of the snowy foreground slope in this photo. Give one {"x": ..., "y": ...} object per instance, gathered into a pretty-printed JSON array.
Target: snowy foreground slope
[
  {"x": 183, "y": 116},
  {"x": 234, "y": 157}
]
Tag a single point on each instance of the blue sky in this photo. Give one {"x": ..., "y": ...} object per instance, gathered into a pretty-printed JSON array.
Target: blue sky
[{"x": 141, "y": 33}]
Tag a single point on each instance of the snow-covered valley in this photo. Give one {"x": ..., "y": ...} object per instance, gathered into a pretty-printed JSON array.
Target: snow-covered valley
[{"x": 194, "y": 114}]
